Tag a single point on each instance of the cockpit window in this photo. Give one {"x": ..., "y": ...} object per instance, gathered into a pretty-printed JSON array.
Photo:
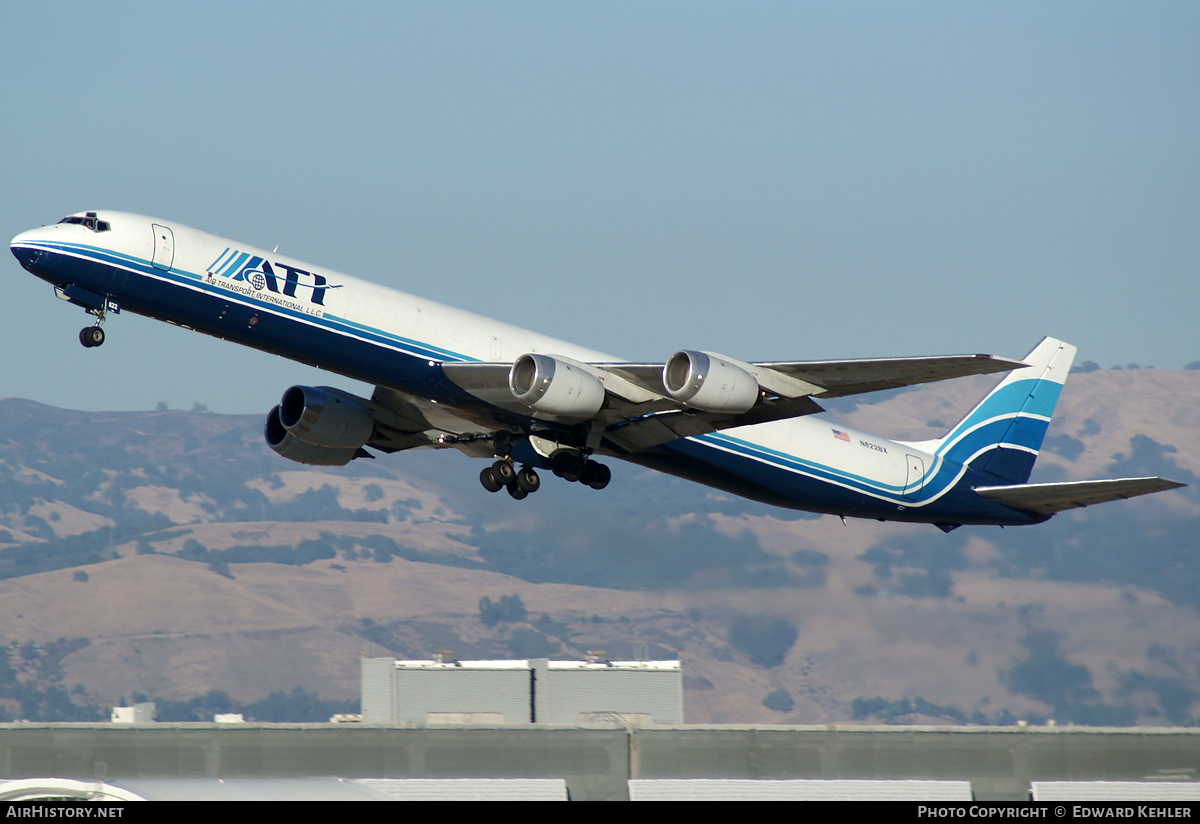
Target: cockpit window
[{"x": 90, "y": 221}]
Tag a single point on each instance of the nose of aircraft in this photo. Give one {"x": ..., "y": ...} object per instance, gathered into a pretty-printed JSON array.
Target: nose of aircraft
[
  {"x": 23, "y": 250},
  {"x": 21, "y": 238}
]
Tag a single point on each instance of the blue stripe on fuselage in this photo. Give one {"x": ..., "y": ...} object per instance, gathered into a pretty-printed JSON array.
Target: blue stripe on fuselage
[
  {"x": 770, "y": 483},
  {"x": 1030, "y": 397},
  {"x": 195, "y": 283},
  {"x": 233, "y": 265}
]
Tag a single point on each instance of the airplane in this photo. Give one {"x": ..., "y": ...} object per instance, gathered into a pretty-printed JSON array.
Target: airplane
[{"x": 447, "y": 378}]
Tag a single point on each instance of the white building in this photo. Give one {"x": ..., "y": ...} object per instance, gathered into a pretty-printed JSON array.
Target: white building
[
  {"x": 521, "y": 692},
  {"x": 142, "y": 713}
]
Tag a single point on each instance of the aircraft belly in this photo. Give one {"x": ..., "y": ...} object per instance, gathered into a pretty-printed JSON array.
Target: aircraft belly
[
  {"x": 261, "y": 327},
  {"x": 357, "y": 329},
  {"x": 78, "y": 271},
  {"x": 352, "y": 349},
  {"x": 815, "y": 489}
]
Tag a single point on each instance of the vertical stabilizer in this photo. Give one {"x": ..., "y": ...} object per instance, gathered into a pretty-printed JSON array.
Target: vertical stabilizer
[{"x": 1002, "y": 435}]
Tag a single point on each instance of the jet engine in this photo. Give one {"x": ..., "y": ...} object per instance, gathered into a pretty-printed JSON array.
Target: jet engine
[
  {"x": 326, "y": 417},
  {"x": 706, "y": 381},
  {"x": 319, "y": 425},
  {"x": 551, "y": 385}
]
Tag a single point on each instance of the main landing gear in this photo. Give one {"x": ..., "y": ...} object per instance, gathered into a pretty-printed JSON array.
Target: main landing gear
[
  {"x": 572, "y": 467},
  {"x": 503, "y": 475},
  {"x": 520, "y": 483}
]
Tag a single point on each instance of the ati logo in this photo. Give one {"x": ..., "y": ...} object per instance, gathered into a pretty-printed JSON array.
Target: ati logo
[{"x": 258, "y": 274}]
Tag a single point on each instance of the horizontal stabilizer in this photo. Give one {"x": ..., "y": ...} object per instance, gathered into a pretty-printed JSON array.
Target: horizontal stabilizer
[{"x": 1046, "y": 499}]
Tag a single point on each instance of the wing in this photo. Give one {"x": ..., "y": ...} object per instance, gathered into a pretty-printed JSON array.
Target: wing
[
  {"x": 406, "y": 422},
  {"x": 638, "y": 413},
  {"x": 833, "y": 379},
  {"x": 1046, "y": 499}
]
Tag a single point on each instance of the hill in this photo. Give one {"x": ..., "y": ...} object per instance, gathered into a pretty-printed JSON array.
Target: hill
[{"x": 170, "y": 553}]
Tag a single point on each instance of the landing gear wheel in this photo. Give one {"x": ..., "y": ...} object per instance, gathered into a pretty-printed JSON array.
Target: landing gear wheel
[
  {"x": 596, "y": 475},
  {"x": 488, "y": 479},
  {"x": 91, "y": 336},
  {"x": 517, "y": 492},
  {"x": 528, "y": 480},
  {"x": 504, "y": 473},
  {"x": 569, "y": 467}
]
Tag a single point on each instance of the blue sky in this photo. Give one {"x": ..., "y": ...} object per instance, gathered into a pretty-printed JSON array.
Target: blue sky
[{"x": 773, "y": 181}]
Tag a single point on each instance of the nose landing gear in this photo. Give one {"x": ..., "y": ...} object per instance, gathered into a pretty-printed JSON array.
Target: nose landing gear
[
  {"x": 91, "y": 336},
  {"x": 94, "y": 304},
  {"x": 97, "y": 305}
]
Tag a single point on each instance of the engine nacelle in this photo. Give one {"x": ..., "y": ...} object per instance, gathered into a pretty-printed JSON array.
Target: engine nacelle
[
  {"x": 289, "y": 446},
  {"x": 554, "y": 386},
  {"x": 317, "y": 415},
  {"x": 706, "y": 381}
]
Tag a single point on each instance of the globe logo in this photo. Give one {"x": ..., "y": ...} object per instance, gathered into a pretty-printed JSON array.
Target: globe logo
[{"x": 258, "y": 280}]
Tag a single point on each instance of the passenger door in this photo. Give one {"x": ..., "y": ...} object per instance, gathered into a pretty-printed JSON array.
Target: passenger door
[
  {"x": 916, "y": 471},
  {"x": 164, "y": 247}
]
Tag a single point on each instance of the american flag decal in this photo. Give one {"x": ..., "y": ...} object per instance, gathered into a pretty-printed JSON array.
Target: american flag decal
[{"x": 840, "y": 435}]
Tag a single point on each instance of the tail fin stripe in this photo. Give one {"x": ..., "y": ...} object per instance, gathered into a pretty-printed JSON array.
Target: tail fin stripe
[
  {"x": 1004, "y": 432},
  {"x": 1017, "y": 431},
  {"x": 1030, "y": 397}
]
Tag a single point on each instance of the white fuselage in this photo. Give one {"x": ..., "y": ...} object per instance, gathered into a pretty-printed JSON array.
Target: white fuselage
[{"x": 398, "y": 340}]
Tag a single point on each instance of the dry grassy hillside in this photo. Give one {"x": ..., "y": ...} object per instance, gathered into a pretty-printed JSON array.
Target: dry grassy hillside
[{"x": 209, "y": 563}]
